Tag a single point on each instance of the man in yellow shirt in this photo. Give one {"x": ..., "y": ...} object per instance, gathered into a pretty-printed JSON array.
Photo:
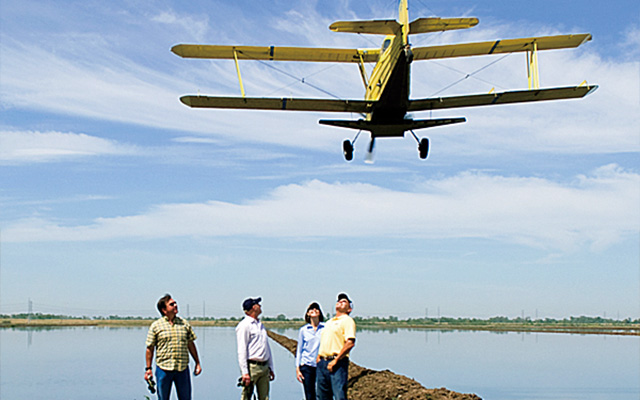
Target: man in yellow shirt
[
  {"x": 337, "y": 340},
  {"x": 174, "y": 339}
]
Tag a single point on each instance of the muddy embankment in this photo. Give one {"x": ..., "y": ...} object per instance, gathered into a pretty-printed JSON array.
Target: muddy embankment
[{"x": 368, "y": 384}]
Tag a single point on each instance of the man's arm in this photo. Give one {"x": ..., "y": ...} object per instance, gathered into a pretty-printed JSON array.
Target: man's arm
[
  {"x": 194, "y": 353},
  {"x": 346, "y": 348},
  {"x": 148, "y": 373},
  {"x": 242, "y": 333}
]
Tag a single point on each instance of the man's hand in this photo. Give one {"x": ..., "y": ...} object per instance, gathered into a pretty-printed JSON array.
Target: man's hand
[
  {"x": 299, "y": 375},
  {"x": 147, "y": 374},
  {"x": 197, "y": 370},
  {"x": 246, "y": 379},
  {"x": 272, "y": 375},
  {"x": 332, "y": 364}
]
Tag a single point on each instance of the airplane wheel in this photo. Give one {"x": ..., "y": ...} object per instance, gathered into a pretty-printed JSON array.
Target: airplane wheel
[
  {"x": 347, "y": 150},
  {"x": 423, "y": 148}
]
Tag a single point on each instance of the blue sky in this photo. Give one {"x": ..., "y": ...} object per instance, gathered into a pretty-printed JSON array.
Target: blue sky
[{"x": 113, "y": 193}]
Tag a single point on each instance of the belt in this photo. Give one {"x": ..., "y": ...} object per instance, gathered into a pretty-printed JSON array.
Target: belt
[
  {"x": 330, "y": 358},
  {"x": 257, "y": 362}
]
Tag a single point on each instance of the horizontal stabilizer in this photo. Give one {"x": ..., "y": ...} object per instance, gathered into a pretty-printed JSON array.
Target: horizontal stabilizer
[
  {"x": 500, "y": 46},
  {"x": 520, "y": 96},
  {"x": 266, "y": 103},
  {"x": 275, "y": 53},
  {"x": 391, "y": 130},
  {"x": 375, "y": 27},
  {"x": 426, "y": 25}
]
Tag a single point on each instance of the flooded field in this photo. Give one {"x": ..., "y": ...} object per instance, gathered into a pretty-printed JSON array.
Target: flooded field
[{"x": 108, "y": 363}]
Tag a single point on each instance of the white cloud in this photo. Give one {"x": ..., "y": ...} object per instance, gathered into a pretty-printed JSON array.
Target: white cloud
[
  {"x": 196, "y": 27},
  {"x": 93, "y": 80},
  {"x": 595, "y": 210},
  {"x": 18, "y": 147}
]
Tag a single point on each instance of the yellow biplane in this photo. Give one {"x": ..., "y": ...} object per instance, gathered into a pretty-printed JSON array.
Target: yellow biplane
[{"x": 386, "y": 101}]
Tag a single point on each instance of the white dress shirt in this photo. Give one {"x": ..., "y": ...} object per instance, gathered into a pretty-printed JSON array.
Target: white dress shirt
[{"x": 253, "y": 343}]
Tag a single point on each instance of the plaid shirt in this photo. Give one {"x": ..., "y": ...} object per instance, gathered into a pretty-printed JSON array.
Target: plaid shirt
[{"x": 171, "y": 342}]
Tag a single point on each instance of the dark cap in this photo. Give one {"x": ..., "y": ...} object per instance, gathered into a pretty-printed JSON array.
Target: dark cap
[
  {"x": 249, "y": 303},
  {"x": 344, "y": 296}
]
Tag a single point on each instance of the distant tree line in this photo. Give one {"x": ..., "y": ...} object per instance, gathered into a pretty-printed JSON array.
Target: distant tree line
[{"x": 390, "y": 320}]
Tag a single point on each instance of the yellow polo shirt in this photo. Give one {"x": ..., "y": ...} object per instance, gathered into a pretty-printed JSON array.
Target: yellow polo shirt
[
  {"x": 335, "y": 334},
  {"x": 171, "y": 342}
]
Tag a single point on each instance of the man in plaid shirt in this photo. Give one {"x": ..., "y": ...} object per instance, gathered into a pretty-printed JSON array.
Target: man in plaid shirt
[{"x": 174, "y": 339}]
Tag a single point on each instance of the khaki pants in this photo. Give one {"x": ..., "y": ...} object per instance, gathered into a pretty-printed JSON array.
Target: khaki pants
[{"x": 260, "y": 380}]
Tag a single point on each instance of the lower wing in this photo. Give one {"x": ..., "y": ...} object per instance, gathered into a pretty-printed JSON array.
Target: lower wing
[
  {"x": 362, "y": 106},
  {"x": 266, "y": 103},
  {"x": 520, "y": 96}
]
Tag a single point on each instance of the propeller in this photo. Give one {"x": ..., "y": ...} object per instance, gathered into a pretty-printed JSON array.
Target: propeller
[{"x": 369, "y": 157}]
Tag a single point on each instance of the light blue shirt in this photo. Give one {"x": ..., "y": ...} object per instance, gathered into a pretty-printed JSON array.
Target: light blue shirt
[{"x": 308, "y": 345}]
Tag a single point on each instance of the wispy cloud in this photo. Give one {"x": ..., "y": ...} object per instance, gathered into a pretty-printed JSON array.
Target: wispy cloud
[
  {"x": 102, "y": 83},
  {"x": 18, "y": 147},
  {"x": 195, "y": 27},
  {"x": 595, "y": 211}
]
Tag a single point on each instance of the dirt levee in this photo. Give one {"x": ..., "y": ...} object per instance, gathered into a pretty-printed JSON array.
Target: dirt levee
[{"x": 366, "y": 384}]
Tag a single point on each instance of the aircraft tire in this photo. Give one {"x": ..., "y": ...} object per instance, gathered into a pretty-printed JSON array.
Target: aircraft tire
[
  {"x": 347, "y": 150},
  {"x": 423, "y": 148}
]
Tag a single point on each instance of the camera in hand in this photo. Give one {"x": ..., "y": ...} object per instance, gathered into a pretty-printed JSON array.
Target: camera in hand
[
  {"x": 241, "y": 383},
  {"x": 152, "y": 385}
]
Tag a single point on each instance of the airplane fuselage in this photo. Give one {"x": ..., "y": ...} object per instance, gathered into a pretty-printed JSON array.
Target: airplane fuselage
[{"x": 389, "y": 87}]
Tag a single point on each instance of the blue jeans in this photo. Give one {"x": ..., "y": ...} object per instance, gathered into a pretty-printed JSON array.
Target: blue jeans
[
  {"x": 180, "y": 378},
  {"x": 330, "y": 385},
  {"x": 309, "y": 382}
]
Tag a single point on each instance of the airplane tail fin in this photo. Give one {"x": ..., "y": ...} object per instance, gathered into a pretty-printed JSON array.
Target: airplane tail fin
[{"x": 403, "y": 15}]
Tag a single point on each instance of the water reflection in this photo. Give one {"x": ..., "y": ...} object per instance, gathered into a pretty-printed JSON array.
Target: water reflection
[{"x": 70, "y": 363}]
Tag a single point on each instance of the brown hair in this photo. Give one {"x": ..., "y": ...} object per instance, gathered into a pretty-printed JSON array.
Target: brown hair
[
  {"x": 312, "y": 306},
  {"x": 162, "y": 303}
]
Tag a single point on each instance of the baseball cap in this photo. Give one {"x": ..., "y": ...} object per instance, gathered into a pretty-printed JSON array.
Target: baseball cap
[
  {"x": 250, "y": 302},
  {"x": 343, "y": 296}
]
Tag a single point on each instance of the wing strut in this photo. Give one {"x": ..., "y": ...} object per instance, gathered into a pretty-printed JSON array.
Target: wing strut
[
  {"x": 532, "y": 67},
  {"x": 235, "y": 57}
]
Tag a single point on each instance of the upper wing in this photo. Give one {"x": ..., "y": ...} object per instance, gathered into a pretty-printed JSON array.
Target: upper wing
[
  {"x": 264, "y": 103},
  {"x": 520, "y": 96},
  {"x": 275, "y": 53},
  {"x": 500, "y": 46}
]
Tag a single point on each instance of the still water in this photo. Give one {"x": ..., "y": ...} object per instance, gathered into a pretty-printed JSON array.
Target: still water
[{"x": 108, "y": 363}]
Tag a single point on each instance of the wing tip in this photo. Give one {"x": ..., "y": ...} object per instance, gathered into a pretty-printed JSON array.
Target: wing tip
[
  {"x": 177, "y": 49},
  {"x": 186, "y": 100},
  {"x": 592, "y": 89}
]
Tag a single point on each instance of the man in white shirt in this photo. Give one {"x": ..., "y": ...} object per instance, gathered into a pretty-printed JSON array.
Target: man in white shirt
[{"x": 254, "y": 353}]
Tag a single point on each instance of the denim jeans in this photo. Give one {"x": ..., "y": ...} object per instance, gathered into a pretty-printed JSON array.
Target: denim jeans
[
  {"x": 181, "y": 380},
  {"x": 332, "y": 385},
  {"x": 309, "y": 382}
]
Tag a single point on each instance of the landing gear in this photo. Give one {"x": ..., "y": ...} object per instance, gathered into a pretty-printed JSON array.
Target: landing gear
[
  {"x": 347, "y": 150},
  {"x": 423, "y": 145},
  {"x": 347, "y": 147},
  {"x": 423, "y": 148}
]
